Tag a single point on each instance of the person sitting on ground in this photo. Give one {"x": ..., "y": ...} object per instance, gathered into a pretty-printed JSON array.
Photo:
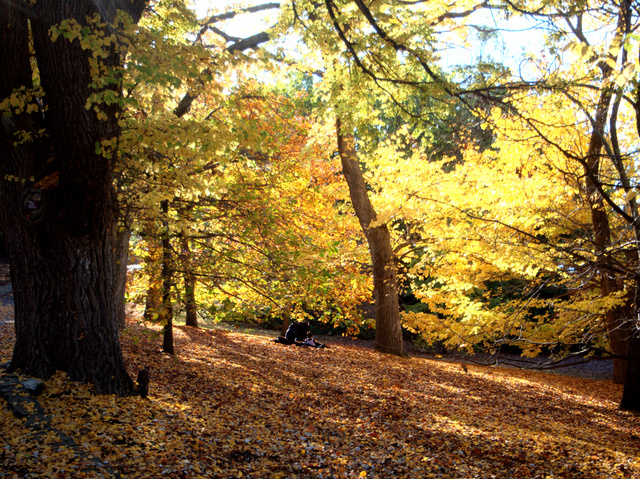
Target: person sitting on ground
[
  {"x": 310, "y": 341},
  {"x": 301, "y": 330},
  {"x": 297, "y": 332},
  {"x": 292, "y": 332}
]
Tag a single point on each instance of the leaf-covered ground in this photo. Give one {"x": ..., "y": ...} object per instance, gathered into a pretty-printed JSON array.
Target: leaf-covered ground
[{"x": 238, "y": 405}]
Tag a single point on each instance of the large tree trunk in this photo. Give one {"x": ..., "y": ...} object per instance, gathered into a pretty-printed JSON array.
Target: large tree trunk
[
  {"x": 122, "y": 261},
  {"x": 615, "y": 320},
  {"x": 631, "y": 392},
  {"x": 58, "y": 218},
  {"x": 385, "y": 284}
]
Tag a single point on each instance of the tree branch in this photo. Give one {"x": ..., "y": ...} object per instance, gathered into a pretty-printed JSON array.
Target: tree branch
[{"x": 245, "y": 44}]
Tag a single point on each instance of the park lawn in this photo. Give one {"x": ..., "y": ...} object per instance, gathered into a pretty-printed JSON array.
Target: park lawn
[{"x": 238, "y": 405}]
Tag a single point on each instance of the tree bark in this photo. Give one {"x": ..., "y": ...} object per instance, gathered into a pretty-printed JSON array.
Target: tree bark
[
  {"x": 122, "y": 261},
  {"x": 191, "y": 309},
  {"x": 166, "y": 314},
  {"x": 61, "y": 246},
  {"x": 385, "y": 285},
  {"x": 190, "y": 306},
  {"x": 617, "y": 322}
]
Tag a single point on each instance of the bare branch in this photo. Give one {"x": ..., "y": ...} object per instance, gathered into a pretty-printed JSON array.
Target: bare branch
[
  {"x": 251, "y": 42},
  {"x": 232, "y": 13}
]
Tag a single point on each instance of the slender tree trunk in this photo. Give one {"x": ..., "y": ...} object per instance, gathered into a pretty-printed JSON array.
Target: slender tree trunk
[
  {"x": 58, "y": 218},
  {"x": 166, "y": 315},
  {"x": 153, "y": 260},
  {"x": 191, "y": 308},
  {"x": 385, "y": 284},
  {"x": 286, "y": 320},
  {"x": 285, "y": 326}
]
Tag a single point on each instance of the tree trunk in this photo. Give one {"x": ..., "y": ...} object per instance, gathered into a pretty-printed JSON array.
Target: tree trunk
[
  {"x": 122, "y": 261},
  {"x": 190, "y": 306},
  {"x": 285, "y": 325},
  {"x": 191, "y": 309},
  {"x": 385, "y": 284},
  {"x": 286, "y": 321},
  {"x": 631, "y": 392},
  {"x": 615, "y": 320},
  {"x": 153, "y": 302},
  {"x": 58, "y": 217},
  {"x": 166, "y": 315},
  {"x": 153, "y": 267}
]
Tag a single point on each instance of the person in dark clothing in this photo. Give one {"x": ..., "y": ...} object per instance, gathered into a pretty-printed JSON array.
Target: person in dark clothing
[
  {"x": 297, "y": 332},
  {"x": 290, "y": 335},
  {"x": 302, "y": 329}
]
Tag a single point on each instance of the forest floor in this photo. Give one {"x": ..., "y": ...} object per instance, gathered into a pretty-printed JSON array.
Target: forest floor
[{"x": 232, "y": 404}]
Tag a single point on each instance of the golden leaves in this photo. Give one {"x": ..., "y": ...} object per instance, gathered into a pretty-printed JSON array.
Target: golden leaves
[{"x": 22, "y": 100}]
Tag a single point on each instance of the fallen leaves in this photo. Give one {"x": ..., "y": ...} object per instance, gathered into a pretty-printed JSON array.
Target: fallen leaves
[{"x": 237, "y": 405}]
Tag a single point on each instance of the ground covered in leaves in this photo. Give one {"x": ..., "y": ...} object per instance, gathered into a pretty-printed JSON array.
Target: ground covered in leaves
[{"x": 238, "y": 405}]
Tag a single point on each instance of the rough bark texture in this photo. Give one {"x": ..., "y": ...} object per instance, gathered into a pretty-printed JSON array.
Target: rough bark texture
[
  {"x": 385, "y": 284},
  {"x": 63, "y": 264},
  {"x": 122, "y": 261}
]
